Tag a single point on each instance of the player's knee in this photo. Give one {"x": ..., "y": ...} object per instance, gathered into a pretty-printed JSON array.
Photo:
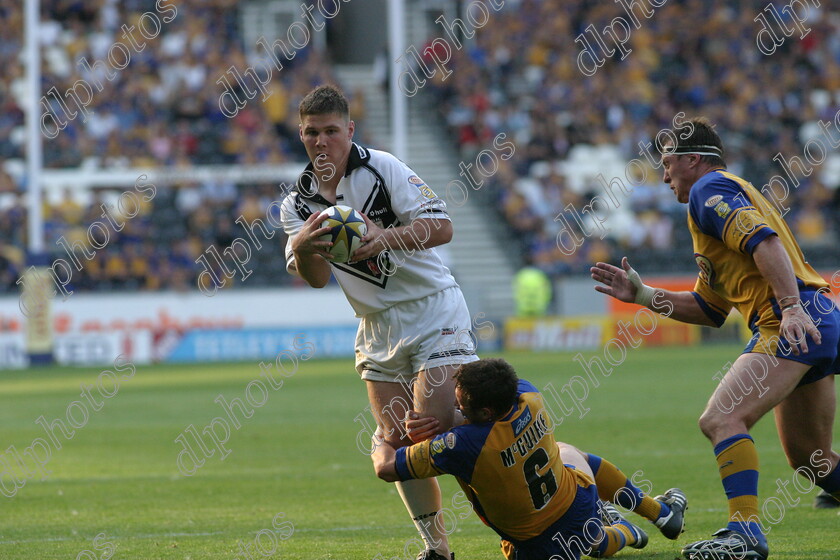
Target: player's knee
[
  {"x": 716, "y": 424},
  {"x": 710, "y": 422}
]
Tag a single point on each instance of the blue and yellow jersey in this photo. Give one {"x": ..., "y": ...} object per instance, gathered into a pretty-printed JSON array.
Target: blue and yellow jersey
[
  {"x": 728, "y": 218},
  {"x": 510, "y": 469}
]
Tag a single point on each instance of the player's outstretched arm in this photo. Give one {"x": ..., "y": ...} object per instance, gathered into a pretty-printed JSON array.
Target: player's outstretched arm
[
  {"x": 774, "y": 264},
  {"x": 626, "y": 285},
  {"x": 311, "y": 256}
]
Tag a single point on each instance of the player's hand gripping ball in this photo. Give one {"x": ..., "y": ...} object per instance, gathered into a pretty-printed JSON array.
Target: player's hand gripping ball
[{"x": 347, "y": 227}]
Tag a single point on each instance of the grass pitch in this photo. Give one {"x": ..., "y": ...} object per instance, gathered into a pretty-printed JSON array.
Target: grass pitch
[{"x": 295, "y": 486}]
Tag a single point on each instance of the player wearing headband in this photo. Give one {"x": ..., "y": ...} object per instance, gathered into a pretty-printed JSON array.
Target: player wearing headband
[{"x": 749, "y": 260}]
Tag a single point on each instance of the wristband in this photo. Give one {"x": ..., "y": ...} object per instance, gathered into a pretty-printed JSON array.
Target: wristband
[
  {"x": 644, "y": 293},
  {"x": 782, "y": 300},
  {"x": 792, "y": 306}
]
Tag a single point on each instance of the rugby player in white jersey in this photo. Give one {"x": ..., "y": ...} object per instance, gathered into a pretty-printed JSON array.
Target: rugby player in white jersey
[{"x": 414, "y": 326}]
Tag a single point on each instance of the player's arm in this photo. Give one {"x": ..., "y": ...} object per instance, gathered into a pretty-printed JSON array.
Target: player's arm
[
  {"x": 417, "y": 206},
  {"x": 421, "y": 233},
  {"x": 624, "y": 284},
  {"x": 311, "y": 259},
  {"x": 413, "y": 461},
  {"x": 774, "y": 264},
  {"x": 385, "y": 461}
]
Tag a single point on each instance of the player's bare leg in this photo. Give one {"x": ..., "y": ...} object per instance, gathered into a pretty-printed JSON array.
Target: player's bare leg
[
  {"x": 805, "y": 421},
  {"x": 434, "y": 395},
  {"x": 390, "y": 402},
  {"x": 753, "y": 386}
]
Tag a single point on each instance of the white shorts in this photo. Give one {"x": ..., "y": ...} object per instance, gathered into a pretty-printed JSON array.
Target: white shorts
[{"x": 394, "y": 344}]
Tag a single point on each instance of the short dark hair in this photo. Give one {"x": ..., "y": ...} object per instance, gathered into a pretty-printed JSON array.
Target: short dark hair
[
  {"x": 489, "y": 383},
  {"x": 698, "y": 134},
  {"x": 324, "y": 100}
]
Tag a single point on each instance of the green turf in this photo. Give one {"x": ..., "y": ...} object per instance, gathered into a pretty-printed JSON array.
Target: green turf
[{"x": 297, "y": 456}]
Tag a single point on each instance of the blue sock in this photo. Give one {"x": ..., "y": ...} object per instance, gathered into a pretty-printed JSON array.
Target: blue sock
[{"x": 831, "y": 482}]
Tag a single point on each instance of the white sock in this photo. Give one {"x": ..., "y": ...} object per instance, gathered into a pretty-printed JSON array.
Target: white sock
[{"x": 422, "y": 500}]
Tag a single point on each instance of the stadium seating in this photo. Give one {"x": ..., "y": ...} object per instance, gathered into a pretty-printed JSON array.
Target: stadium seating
[
  {"x": 529, "y": 88},
  {"x": 567, "y": 129}
]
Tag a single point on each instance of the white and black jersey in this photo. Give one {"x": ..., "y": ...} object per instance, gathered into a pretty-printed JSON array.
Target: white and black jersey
[{"x": 386, "y": 190}]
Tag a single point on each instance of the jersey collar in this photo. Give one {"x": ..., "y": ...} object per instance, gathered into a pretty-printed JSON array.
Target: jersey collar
[{"x": 358, "y": 157}]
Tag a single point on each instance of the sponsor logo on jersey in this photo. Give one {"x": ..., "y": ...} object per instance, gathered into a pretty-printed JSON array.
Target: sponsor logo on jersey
[
  {"x": 424, "y": 189},
  {"x": 722, "y": 209},
  {"x": 713, "y": 200},
  {"x": 450, "y": 440},
  {"x": 448, "y": 330},
  {"x": 373, "y": 266},
  {"x": 707, "y": 271},
  {"x": 437, "y": 446},
  {"x": 520, "y": 423},
  {"x": 427, "y": 192}
]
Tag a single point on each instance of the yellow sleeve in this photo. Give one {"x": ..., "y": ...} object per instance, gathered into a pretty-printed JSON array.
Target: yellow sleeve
[
  {"x": 745, "y": 228},
  {"x": 418, "y": 461}
]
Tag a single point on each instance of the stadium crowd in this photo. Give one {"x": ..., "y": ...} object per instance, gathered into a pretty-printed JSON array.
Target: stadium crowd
[
  {"x": 518, "y": 77},
  {"x": 161, "y": 110},
  {"x": 156, "y": 249}
]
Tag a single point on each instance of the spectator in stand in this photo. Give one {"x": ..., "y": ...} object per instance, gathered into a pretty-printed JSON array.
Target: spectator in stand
[{"x": 528, "y": 87}]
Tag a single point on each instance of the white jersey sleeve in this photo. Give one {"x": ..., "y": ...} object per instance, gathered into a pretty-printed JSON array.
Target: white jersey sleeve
[
  {"x": 292, "y": 220},
  {"x": 411, "y": 197}
]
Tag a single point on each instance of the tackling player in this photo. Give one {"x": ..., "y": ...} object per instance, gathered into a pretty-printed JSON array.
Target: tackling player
[
  {"x": 507, "y": 462},
  {"x": 749, "y": 260},
  {"x": 415, "y": 326}
]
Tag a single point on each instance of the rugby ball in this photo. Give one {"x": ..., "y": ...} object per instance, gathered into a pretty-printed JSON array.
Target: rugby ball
[{"x": 347, "y": 227}]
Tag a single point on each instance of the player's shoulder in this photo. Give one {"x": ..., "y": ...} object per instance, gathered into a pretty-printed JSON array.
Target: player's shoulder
[
  {"x": 466, "y": 438},
  {"x": 380, "y": 158},
  {"x": 713, "y": 187},
  {"x": 392, "y": 169},
  {"x": 380, "y": 161},
  {"x": 525, "y": 386}
]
